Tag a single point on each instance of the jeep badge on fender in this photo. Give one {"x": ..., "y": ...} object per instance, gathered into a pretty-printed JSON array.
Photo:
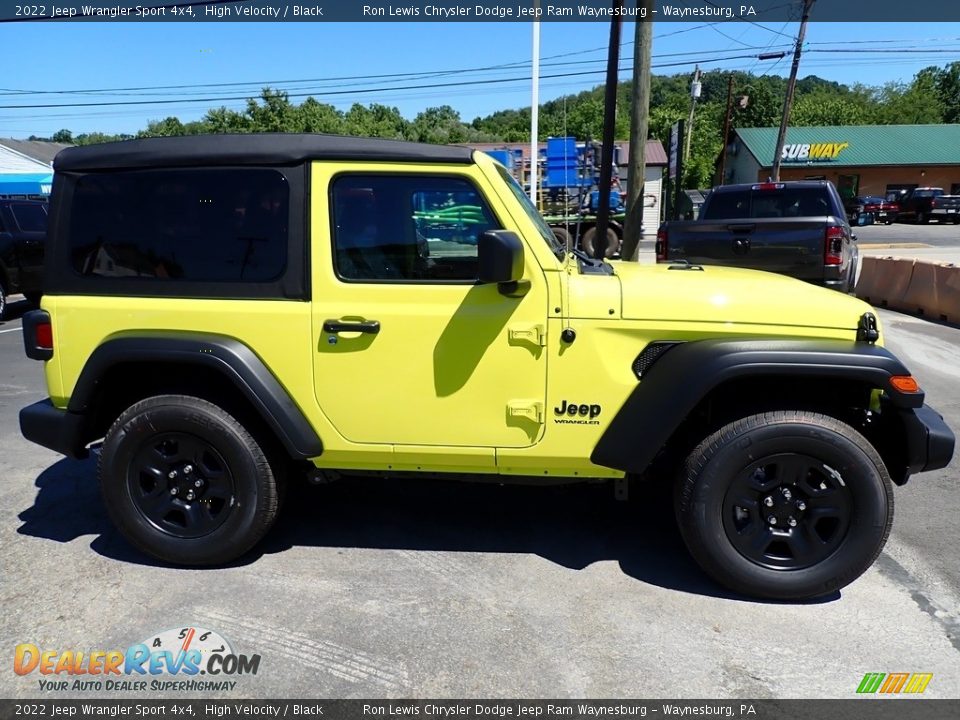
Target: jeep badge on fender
[
  {"x": 231, "y": 313},
  {"x": 569, "y": 408}
]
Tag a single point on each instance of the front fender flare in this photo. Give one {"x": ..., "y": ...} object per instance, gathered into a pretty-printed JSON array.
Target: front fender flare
[{"x": 686, "y": 373}]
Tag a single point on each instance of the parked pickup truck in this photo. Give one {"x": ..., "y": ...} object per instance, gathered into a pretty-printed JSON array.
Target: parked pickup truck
[
  {"x": 926, "y": 203},
  {"x": 797, "y": 228},
  {"x": 23, "y": 230}
]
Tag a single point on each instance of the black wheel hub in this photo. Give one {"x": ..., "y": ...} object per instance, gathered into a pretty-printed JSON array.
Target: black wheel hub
[
  {"x": 181, "y": 484},
  {"x": 787, "y": 511}
]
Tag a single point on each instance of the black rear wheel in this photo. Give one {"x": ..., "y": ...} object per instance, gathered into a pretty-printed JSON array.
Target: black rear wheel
[
  {"x": 785, "y": 505},
  {"x": 184, "y": 481}
]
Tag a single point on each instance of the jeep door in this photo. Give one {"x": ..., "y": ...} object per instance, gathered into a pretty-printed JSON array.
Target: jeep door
[
  {"x": 409, "y": 348},
  {"x": 31, "y": 227}
]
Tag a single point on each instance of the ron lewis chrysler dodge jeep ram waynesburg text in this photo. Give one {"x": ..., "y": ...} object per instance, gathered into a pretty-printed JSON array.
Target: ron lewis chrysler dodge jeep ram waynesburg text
[{"x": 222, "y": 311}]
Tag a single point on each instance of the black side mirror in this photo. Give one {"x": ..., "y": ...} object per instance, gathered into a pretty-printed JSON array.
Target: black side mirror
[{"x": 500, "y": 259}]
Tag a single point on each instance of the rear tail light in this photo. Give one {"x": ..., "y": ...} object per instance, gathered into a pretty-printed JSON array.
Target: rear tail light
[
  {"x": 833, "y": 245},
  {"x": 933, "y": 203},
  {"x": 38, "y": 335},
  {"x": 662, "y": 247}
]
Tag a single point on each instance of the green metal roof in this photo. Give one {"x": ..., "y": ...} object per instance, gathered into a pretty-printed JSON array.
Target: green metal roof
[{"x": 866, "y": 145}]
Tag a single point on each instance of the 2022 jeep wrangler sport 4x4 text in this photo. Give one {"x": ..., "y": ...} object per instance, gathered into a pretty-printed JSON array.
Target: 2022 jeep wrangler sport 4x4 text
[{"x": 222, "y": 309}]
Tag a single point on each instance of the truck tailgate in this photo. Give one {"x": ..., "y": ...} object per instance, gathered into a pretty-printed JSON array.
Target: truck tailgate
[{"x": 783, "y": 245}]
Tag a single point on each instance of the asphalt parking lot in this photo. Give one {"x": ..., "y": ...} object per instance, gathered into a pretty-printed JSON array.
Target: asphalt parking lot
[{"x": 389, "y": 588}]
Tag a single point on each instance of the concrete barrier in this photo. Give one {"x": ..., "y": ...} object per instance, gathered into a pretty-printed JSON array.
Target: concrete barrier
[
  {"x": 948, "y": 292},
  {"x": 884, "y": 281},
  {"x": 929, "y": 288},
  {"x": 921, "y": 295}
]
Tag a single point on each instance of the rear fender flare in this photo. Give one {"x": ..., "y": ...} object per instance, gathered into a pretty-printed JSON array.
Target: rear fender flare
[{"x": 226, "y": 356}]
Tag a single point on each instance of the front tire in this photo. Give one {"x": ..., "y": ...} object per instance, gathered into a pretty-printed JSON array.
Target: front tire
[
  {"x": 785, "y": 505},
  {"x": 185, "y": 482}
]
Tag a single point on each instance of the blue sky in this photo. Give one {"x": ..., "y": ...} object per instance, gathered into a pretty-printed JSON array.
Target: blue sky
[{"x": 51, "y": 58}]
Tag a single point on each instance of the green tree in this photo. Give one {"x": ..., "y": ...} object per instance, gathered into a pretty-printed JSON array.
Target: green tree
[
  {"x": 162, "y": 128},
  {"x": 376, "y": 121},
  {"x": 824, "y": 108},
  {"x": 439, "y": 125},
  {"x": 62, "y": 136},
  {"x": 224, "y": 120}
]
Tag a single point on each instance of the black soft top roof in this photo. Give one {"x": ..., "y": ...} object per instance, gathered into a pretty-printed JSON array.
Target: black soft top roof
[{"x": 251, "y": 149}]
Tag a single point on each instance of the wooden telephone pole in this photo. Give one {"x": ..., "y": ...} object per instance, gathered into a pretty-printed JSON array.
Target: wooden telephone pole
[
  {"x": 639, "y": 128},
  {"x": 791, "y": 85},
  {"x": 726, "y": 130},
  {"x": 609, "y": 126}
]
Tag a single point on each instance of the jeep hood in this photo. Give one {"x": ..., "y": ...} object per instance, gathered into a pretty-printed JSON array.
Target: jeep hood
[{"x": 731, "y": 295}]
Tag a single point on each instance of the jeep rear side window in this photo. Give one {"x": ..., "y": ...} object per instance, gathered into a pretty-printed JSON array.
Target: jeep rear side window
[
  {"x": 407, "y": 228},
  {"x": 203, "y": 225}
]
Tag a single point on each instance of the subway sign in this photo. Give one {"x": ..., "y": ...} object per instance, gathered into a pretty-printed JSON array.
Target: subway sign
[{"x": 809, "y": 152}]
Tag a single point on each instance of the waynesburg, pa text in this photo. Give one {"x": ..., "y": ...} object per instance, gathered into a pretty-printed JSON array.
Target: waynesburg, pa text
[{"x": 552, "y": 11}]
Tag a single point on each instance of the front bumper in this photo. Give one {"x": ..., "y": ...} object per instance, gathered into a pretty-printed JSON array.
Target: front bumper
[
  {"x": 930, "y": 442},
  {"x": 55, "y": 429}
]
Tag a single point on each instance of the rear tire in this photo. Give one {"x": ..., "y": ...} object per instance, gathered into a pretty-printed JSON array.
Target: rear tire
[
  {"x": 923, "y": 218},
  {"x": 3, "y": 302},
  {"x": 785, "y": 505},
  {"x": 185, "y": 482}
]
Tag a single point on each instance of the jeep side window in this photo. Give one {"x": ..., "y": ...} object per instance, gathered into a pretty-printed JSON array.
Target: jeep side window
[
  {"x": 190, "y": 224},
  {"x": 30, "y": 217},
  {"x": 407, "y": 228}
]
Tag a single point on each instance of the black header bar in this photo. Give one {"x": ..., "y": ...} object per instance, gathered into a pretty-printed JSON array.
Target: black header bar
[{"x": 706, "y": 11}]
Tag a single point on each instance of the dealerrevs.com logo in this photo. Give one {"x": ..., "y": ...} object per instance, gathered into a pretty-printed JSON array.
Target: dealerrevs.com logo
[{"x": 171, "y": 660}]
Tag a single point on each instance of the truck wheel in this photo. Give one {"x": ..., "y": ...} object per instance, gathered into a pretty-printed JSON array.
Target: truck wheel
[
  {"x": 589, "y": 241},
  {"x": 923, "y": 218},
  {"x": 785, "y": 505},
  {"x": 185, "y": 482},
  {"x": 562, "y": 235},
  {"x": 3, "y": 302}
]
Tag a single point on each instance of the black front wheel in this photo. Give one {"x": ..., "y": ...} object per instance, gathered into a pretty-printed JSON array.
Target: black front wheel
[
  {"x": 785, "y": 505},
  {"x": 185, "y": 482}
]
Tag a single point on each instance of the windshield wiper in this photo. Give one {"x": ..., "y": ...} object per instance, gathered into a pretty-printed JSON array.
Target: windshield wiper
[{"x": 585, "y": 257}]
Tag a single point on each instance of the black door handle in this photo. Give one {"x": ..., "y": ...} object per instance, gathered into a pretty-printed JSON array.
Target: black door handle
[{"x": 338, "y": 326}]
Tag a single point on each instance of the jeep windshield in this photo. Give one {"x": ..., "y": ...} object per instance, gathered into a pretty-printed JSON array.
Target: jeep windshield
[{"x": 545, "y": 232}]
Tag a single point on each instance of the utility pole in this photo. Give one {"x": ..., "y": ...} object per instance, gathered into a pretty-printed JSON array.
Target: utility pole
[
  {"x": 609, "y": 128},
  {"x": 788, "y": 101},
  {"x": 639, "y": 128},
  {"x": 694, "y": 96},
  {"x": 726, "y": 130},
  {"x": 535, "y": 110}
]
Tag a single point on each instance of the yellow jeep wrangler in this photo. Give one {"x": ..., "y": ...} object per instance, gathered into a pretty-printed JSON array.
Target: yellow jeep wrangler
[{"x": 220, "y": 310}]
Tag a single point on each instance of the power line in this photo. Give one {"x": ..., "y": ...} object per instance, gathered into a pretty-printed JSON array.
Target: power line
[{"x": 462, "y": 83}]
